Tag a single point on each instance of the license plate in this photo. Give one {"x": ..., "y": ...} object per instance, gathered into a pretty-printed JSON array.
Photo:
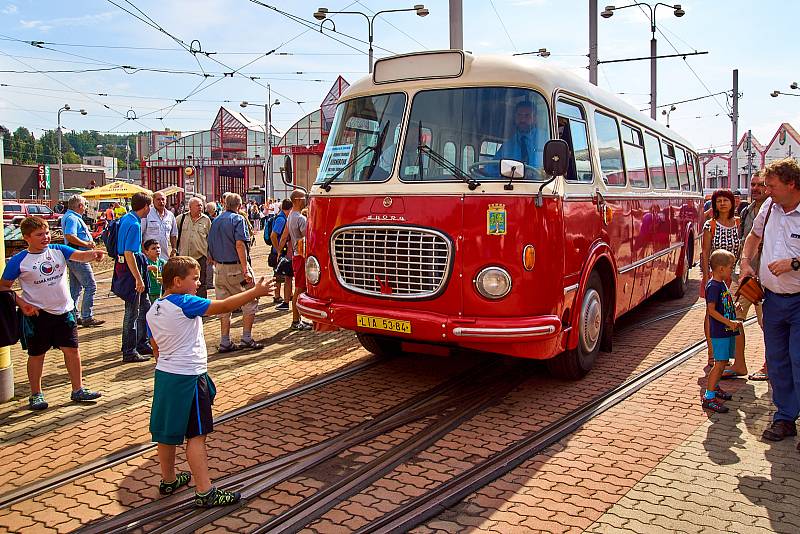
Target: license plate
[{"x": 381, "y": 323}]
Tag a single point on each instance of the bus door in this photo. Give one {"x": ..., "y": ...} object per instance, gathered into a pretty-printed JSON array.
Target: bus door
[
  {"x": 660, "y": 210},
  {"x": 582, "y": 221},
  {"x": 617, "y": 203},
  {"x": 643, "y": 209}
]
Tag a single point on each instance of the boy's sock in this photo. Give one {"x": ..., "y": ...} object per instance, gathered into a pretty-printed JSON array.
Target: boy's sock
[
  {"x": 225, "y": 341},
  {"x": 247, "y": 336},
  {"x": 708, "y": 395}
]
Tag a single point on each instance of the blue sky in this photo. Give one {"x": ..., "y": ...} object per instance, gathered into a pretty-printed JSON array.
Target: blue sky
[{"x": 753, "y": 37}]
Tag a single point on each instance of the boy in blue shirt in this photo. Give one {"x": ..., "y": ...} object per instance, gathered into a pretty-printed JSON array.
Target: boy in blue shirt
[
  {"x": 183, "y": 392},
  {"x": 48, "y": 307},
  {"x": 723, "y": 326}
]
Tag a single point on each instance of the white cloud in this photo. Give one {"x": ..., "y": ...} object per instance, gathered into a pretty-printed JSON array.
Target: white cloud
[
  {"x": 10, "y": 9},
  {"x": 67, "y": 22}
]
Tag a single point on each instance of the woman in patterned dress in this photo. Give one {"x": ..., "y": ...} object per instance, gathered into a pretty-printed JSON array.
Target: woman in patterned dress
[{"x": 722, "y": 232}]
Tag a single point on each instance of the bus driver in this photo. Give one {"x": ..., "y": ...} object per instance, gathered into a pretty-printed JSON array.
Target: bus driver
[{"x": 521, "y": 146}]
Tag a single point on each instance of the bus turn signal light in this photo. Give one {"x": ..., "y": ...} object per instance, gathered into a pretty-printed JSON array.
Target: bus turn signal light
[{"x": 528, "y": 257}]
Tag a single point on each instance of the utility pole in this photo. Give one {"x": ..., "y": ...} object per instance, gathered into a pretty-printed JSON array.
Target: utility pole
[
  {"x": 456, "y": 25},
  {"x": 128, "y": 161},
  {"x": 734, "y": 174},
  {"x": 749, "y": 156},
  {"x": 593, "y": 42},
  {"x": 268, "y": 145}
]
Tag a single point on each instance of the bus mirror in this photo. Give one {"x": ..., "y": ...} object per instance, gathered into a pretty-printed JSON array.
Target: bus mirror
[
  {"x": 511, "y": 169},
  {"x": 556, "y": 157}
]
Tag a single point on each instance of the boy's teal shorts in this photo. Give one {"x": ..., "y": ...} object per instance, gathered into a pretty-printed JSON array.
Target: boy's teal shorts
[{"x": 724, "y": 348}]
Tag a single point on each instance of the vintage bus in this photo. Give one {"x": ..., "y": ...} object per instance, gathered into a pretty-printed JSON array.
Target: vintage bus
[{"x": 435, "y": 223}]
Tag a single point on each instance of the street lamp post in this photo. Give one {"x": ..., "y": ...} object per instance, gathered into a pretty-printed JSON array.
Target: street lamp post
[
  {"x": 60, "y": 162},
  {"x": 776, "y": 93},
  {"x": 677, "y": 11},
  {"x": 267, "y": 138},
  {"x": 667, "y": 112},
  {"x": 322, "y": 13}
]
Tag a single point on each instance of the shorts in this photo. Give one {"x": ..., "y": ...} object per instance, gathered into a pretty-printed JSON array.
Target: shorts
[
  {"x": 724, "y": 348},
  {"x": 181, "y": 407},
  {"x": 42, "y": 332},
  {"x": 229, "y": 281},
  {"x": 299, "y": 268}
]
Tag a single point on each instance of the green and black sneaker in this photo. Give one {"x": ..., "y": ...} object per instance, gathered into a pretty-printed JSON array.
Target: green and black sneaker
[
  {"x": 216, "y": 497},
  {"x": 168, "y": 488}
]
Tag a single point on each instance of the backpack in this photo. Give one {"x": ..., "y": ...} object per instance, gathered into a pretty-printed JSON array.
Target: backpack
[
  {"x": 268, "y": 220},
  {"x": 110, "y": 237}
]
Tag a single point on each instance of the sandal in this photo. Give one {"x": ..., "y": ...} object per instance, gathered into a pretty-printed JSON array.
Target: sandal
[
  {"x": 758, "y": 376},
  {"x": 233, "y": 347},
  {"x": 251, "y": 345}
]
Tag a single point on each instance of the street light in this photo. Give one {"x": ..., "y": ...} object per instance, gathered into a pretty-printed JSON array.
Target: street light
[
  {"x": 322, "y": 13},
  {"x": 775, "y": 93},
  {"x": 60, "y": 162},
  {"x": 794, "y": 86},
  {"x": 667, "y": 112},
  {"x": 267, "y": 138},
  {"x": 678, "y": 11},
  {"x": 542, "y": 52}
]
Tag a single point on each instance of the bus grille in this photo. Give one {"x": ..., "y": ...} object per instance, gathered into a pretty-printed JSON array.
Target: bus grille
[{"x": 391, "y": 261}]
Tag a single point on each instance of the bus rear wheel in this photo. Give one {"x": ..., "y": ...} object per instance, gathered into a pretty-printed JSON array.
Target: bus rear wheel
[
  {"x": 379, "y": 346},
  {"x": 574, "y": 364}
]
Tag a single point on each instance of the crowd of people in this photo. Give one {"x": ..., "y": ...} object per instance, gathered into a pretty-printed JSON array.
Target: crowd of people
[{"x": 763, "y": 238}]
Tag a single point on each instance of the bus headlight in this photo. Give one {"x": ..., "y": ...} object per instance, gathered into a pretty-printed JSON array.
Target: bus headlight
[
  {"x": 312, "y": 270},
  {"x": 493, "y": 283}
]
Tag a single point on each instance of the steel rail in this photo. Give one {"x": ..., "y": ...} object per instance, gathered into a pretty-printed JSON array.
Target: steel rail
[
  {"x": 436, "y": 501},
  {"x": 37, "y": 488}
]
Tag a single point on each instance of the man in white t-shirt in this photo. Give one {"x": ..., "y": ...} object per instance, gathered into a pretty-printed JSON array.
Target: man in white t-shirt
[
  {"x": 160, "y": 224},
  {"x": 48, "y": 307}
]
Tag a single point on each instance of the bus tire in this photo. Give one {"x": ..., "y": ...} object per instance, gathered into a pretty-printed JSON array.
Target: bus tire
[
  {"x": 379, "y": 346},
  {"x": 574, "y": 364},
  {"x": 677, "y": 288}
]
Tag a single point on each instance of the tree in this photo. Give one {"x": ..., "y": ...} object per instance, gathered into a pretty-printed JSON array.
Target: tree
[
  {"x": 6, "y": 134},
  {"x": 23, "y": 146}
]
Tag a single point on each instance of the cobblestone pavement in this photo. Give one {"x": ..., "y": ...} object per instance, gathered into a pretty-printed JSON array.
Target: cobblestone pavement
[{"x": 655, "y": 462}]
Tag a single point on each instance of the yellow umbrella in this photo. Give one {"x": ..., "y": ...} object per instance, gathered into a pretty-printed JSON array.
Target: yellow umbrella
[
  {"x": 115, "y": 190},
  {"x": 170, "y": 190}
]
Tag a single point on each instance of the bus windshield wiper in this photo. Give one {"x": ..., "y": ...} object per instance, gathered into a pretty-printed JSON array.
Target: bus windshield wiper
[
  {"x": 376, "y": 150},
  {"x": 441, "y": 160}
]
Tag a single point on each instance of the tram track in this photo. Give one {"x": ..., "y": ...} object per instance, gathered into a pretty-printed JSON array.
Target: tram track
[
  {"x": 181, "y": 517},
  {"x": 37, "y": 488},
  {"x": 448, "y": 402},
  {"x": 434, "y": 502}
]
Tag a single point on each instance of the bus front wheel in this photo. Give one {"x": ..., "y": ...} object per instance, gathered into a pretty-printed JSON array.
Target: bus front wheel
[
  {"x": 574, "y": 364},
  {"x": 379, "y": 346}
]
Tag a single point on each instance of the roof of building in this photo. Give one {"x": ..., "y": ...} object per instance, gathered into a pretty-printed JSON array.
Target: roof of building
[{"x": 136, "y": 175}]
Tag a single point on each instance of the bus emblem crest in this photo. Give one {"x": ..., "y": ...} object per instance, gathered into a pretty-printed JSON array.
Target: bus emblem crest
[
  {"x": 387, "y": 202},
  {"x": 496, "y": 219}
]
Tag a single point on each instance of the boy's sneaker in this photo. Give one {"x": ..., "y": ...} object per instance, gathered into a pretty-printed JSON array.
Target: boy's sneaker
[
  {"x": 715, "y": 406},
  {"x": 37, "y": 402},
  {"x": 216, "y": 497},
  {"x": 300, "y": 325},
  {"x": 283, "y": 306},
  {"x": 84, "y": 395},
  {"x": 724, "y": 395},
  {"x": 181, "y": 479}
]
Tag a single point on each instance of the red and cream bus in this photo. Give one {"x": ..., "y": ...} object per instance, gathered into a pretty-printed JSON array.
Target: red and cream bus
[{"x": 494, "y": 204}]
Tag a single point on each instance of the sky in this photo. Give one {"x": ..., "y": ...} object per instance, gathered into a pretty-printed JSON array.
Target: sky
[{"x": 89, "y": 35}]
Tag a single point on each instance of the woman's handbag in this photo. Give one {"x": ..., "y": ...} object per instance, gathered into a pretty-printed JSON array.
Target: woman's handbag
[{"x": 750, "y": 288}]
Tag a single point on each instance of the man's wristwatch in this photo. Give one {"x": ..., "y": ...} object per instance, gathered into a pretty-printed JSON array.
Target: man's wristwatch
[{"x": 795, "y": 264}]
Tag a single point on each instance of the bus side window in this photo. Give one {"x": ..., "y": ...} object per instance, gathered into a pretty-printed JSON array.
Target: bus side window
[
  {"x": 669, "y": 165},
  {"x": 633, "y": 149},
  {"x": 683, "y": 172},
  {"x": 652, "y": 149},
  {"x": 573, "y": 129},
  {"x": 608, "y": 146}
]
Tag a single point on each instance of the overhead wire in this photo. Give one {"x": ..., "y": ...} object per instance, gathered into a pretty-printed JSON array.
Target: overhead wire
[{"x": 514, "y": 46}]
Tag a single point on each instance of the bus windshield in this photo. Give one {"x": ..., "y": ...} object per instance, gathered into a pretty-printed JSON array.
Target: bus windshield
[
  {"x": 362, "y": 142},
  {"x": 472, "y": 129}
]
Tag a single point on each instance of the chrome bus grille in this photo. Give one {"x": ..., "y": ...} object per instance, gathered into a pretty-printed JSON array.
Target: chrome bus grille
[{"x": 391, "y": 261}]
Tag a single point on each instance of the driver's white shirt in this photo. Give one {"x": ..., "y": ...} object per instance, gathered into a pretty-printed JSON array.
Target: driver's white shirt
[{"x": 780, "y": 241}]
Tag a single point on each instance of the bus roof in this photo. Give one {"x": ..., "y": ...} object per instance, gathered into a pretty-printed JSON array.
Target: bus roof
[{"x": 495, "y": 70}]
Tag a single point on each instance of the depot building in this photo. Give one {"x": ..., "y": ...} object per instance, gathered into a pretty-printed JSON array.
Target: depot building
[{"x": 230, "y": 155}]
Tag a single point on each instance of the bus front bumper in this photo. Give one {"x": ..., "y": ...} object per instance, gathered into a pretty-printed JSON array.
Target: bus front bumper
[{"x": 425, "y": 326}]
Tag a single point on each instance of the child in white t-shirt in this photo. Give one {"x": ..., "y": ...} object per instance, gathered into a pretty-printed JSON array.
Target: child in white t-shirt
[
  {"x": 48, "y": 307},
  {"x": 183, "y": 391}
]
